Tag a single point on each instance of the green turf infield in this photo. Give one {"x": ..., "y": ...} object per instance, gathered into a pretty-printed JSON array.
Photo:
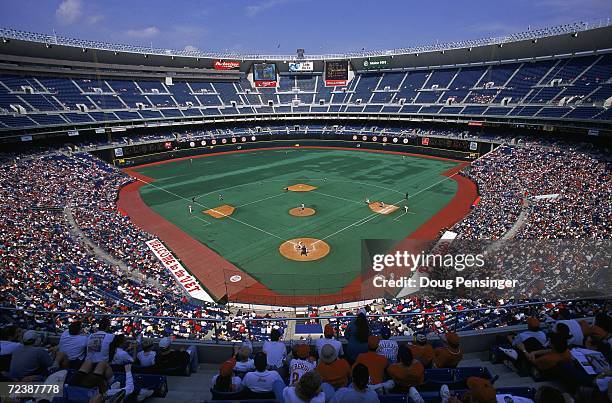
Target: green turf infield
[{"x": 254, "y": 183}]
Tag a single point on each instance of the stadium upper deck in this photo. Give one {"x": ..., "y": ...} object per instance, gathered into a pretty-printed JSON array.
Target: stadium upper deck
[{"x": 555, "y": 77}]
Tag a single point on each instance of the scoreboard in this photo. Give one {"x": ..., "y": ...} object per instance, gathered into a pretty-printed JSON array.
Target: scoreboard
[{"x": 336, "y": 73}]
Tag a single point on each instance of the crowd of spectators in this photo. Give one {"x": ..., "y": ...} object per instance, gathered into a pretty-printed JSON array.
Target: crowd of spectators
[
  {"x": 566, "y": 192},
  {"x": 45, "y": 266}
]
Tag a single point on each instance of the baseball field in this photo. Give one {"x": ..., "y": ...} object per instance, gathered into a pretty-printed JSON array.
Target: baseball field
[{"x": 247, "y": 207}]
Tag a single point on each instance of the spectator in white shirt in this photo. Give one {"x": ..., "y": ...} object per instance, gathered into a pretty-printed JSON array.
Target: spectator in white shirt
[
  {"x": 243, "y": 362},
  {"x": 533, "y": 332},
  {"x": 99, "y": 343},
  {"x": 572, "y": 330},
  {"x": 146, "y": 357},
  {"x": 329, "y": 339},
  {"x": 275, "y": 350},
  {"x": 301, "y": 364},
  {"x": 120, "y": 356},
  {"x": 386, "y": 347},
  {"x": 73, "y": 344},
  {"x": 262, "y": 380},
  {"x": 307, "y": 389}
]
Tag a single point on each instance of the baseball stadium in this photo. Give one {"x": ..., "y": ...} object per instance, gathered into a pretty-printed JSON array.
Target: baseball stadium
[{"x": 191, "y": 212}]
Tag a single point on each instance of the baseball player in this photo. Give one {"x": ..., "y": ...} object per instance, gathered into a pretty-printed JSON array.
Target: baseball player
[
  {"x": 406, "y": 208},
  {"x": 304, "y": 250},
  {"x": 367, "y": 200},
  {"x": 302, "y": 207},
  {"x": 190, "y": 209},
  {"x": 406, "y": 197},
  {"x": 382, "y": 204},
  {"x": 220, "y": 197}
]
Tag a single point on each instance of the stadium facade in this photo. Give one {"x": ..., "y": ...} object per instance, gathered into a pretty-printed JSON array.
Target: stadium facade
[{"x": 555, "y": 79}]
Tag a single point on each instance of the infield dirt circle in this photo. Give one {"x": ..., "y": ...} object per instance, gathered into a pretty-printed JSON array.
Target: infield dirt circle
[
  {"x": 299, "y": 212},
  {"x": 317, "y": 249}
]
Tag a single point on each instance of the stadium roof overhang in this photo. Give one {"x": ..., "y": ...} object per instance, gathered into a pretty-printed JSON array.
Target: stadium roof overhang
[{"x": 16, "y": 46}]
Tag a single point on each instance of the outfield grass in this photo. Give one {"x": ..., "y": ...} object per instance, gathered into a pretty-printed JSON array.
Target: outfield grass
[{"x": 253, "y": 182}]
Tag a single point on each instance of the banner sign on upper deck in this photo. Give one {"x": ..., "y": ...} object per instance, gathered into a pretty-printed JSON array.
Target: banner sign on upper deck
[{"x": 301, "y": 66}]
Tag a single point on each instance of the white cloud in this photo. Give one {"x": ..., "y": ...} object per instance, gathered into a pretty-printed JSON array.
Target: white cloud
[
  {"x": 92, "y": 19},
  {"x": 69, "y": 11},
  {"x": 143, "y": 33},
  {"x": 191, "y": 48},
  {"x": 253, "y": 10}
]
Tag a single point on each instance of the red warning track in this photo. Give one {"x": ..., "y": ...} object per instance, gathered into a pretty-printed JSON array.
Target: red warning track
[{"x": 216, "y": 274}]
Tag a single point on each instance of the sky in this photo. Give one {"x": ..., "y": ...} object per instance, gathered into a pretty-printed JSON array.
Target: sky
[{"x": 282, "y": 26}]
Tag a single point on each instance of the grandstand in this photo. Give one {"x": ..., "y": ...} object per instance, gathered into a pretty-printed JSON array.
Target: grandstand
[{"x": 104, "y": 146}]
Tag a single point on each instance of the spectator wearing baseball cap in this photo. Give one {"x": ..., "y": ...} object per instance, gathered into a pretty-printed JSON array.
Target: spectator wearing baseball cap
[
  {"x": 328, "y": 338},
  {"x": 531, "y": 339},
  {"x": 28, "y": 359},
  {"x": 451, "y": 354},
  {"x": 408, "y": 372},
  {"x": 386, "y": 347},
  {"x": 375, "y": 362},
  {"x": 301, "y": 364},
  {"x": 482, "y": 391},
  {"x": 333, "y": 370},
  {"x": 422, "y": 350},
  {"x": 225, "y": 381},
  {"x": 168, "y": 359}
]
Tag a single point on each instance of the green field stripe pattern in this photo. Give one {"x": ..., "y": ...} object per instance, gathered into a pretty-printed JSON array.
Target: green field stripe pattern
[{"x": 254, "y": 182}]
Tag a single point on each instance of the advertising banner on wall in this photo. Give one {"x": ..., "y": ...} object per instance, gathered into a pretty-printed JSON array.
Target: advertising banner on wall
[
  {"x": 188, "y": 282},
  {"x": 375, "y": 63},
  {"x": 226, "y": 64},
  {"x": 301, "y": 66}
]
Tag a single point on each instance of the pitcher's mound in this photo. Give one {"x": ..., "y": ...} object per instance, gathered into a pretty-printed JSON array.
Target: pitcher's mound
[
  {"x": 301, "y": 187},
  {"x": 386, "y": 209},
  {"x": 219, "y": 212},
  {"x": 292, "y": 249},
  {"x": 298, "y": 212}
]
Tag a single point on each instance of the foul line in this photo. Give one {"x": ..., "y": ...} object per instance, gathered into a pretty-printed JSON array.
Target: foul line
[
  {"x": 372, "y": 216},
  {"x": 403, "y": 214},
  {"x": 201, "y": 219},
  {"x": 218, "y": 212}
]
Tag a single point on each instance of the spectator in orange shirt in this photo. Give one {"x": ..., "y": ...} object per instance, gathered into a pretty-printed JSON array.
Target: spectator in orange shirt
[
  {"x": 422, "y": 350},
  {"x": 407, "y": 372},
  {"x": 546, "y": 360},
  {"x": 375, "y": 363},
  {"x": 451, "y": 354},
  {"x": 333, "y": 370}
]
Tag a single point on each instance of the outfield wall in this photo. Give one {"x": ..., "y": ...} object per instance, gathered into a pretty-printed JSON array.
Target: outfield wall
[{"x": 134, "y": 155}]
